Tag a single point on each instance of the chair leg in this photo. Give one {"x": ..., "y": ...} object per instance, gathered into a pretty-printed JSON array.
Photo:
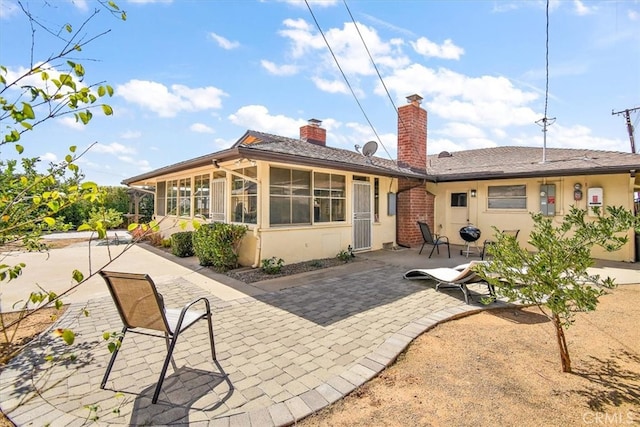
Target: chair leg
[
  {"x": 165, "y": 366},
  {"x": 433, "y": 249},
  {"x": 211, "y": 340},
  {"x": 448, "y": 250},
  {"x": 113, "y": 358},
  {"x": 465, "y": 291},
  {"x": 421, "y": 247}
]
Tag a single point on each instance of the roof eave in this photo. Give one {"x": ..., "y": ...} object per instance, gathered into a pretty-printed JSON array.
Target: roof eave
[{"x": 484, "y": 176}]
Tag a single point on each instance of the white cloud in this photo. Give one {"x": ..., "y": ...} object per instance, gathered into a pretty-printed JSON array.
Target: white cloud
[
  {"x": 35, "y": 79},
  {"x": 131, "y": 134},
  {"x": 48, "y": 158},
  {"x": 582, "y": 10},
  {"x": 80, "y": 5},
  {"x": 168, "y": 102},
  {"x": 483, "y": 101},
  {"x": 8, "y": 9},
  {"x": 258, "y": 117},
  {"x": 224, "y": 42},
  {"x": 633, "y": 15},
  {"x": 279, "y": 70},
  {"x": 309, "y": 49},
  {"x": 200, "y": 128},
  {"x": 446, "y": 50},
  {"x": 333, "y": 86},
  {"x": 114, "y": 148},
  {"x": 578, "y": 136},
  {"x": 460, "y": 130},
  {"x": 71, "y": 122},
  {"x": 143, "y": 165}
]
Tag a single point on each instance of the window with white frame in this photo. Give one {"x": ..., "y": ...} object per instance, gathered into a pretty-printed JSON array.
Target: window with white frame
[
  {"x": 184, "y": 196},
  {"x": 172, "y": 197},
  {"x": 244, "y": 196},
  {"x": 507, "y": 197},
  {"x": 329, "y": 191},
  {"x": 201, "y": 195},
  {"x": 289, "y": 196},
  {"x": 161, "y": 196}
]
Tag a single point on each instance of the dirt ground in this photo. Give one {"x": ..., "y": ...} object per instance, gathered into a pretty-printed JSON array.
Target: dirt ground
[{"x": 503, "y": 368}]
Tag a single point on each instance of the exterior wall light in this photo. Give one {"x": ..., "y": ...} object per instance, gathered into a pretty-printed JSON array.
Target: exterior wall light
[{"x": 473, "y": 193}]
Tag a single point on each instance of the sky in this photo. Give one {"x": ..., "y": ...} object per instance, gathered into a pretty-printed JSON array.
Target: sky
[{"x": 190, "y": 77}]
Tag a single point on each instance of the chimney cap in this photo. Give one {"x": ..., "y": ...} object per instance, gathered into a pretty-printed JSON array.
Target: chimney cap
[
  {"x": 314, "y": 122},
  {"x": 414, "y": 99}
]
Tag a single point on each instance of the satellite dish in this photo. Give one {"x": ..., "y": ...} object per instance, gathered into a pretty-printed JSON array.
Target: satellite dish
[{"x": 369, "y": 148}]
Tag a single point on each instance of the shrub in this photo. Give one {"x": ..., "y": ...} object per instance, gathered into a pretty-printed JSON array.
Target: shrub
[
  {"x": 110, "y": 218},
  {"x": 272, "y": 265},
  {"x": 344, "y": 256},
  {"x": 155, "y": 239},
  {"x": 217, "y": 244},
  {"x": 166, "y": 243},
  {"x": 182, "y": 244}
]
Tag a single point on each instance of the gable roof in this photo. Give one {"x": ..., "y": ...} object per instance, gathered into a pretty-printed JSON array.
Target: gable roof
[
  {"x": 513, "y": 162},
  {"x": 264, "y": 146},
  {"x": 480, "y": 164}
]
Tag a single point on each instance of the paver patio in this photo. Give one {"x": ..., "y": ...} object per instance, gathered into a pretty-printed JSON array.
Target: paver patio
[{"x": 281, "y": 354}]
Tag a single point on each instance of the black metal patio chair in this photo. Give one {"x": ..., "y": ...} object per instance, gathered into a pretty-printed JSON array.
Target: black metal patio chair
[
  {"x": 434, "y": 240},
  {"x": 141, "y": 306}
]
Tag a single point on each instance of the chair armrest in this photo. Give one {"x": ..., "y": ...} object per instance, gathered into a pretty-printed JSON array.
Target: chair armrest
[
  {"x": 186, "y": 308},
  {"x": 438, "y": 238}
]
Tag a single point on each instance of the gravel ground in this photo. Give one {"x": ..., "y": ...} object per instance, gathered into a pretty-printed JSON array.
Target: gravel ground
[{"x": 251, "y": 275}]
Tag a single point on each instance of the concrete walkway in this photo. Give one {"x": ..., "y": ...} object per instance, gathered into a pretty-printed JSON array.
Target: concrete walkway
[{"x": 282, "y": 354}]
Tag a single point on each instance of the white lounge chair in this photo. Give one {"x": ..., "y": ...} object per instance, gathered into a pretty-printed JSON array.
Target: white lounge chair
[{"x": 445, "y": 277}]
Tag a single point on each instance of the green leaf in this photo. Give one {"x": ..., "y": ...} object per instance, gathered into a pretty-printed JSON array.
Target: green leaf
[
  {"x": 68, "y": 28},
  {"x": 50, "y": 221},
  {"x": 72, "y": 148},
  {"x": 26, "y": 125},
  {"x": 44, "y": 75},
  {"x": 19, "y": 148},
  {"x": 106, "y": 336},
  {"x": 68, "y": 336},
  {"x": 85, "y": 227},
  {"x": 107, "y": 110},
  {"x": 28, "y": 111},
  {"x": 77, "y": 276},
  {"x": 102, "y": 91},
  {"x": 109, "y": 90},
  {"x": 132, "y": 226},
  {"x": 68, "y": 158}
]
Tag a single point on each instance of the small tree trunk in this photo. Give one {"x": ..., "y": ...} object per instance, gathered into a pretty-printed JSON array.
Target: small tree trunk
[{"x": 562, "y": 344}]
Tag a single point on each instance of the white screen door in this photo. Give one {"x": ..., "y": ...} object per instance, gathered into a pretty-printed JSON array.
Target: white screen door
[{"x": 361, "y": 215}]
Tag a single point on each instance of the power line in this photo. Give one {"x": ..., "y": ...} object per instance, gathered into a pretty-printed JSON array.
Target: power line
[{"x": 344, "y": 76}]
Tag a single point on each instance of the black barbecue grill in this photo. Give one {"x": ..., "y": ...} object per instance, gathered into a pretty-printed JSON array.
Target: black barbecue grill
[{"x": 470, "y": 234}]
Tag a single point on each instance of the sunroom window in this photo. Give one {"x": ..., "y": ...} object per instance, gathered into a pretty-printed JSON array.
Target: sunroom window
[
  {"x": 289, "y": 196},
  {"x": 244, "y": 197},
  {"x": 328, "y": 197}
]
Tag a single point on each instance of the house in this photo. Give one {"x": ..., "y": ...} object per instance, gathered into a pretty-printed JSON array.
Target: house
[{"x": 302, "y": 199}]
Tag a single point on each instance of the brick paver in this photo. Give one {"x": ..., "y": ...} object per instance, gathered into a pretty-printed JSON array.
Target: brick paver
[{"x": 281, "y": 355}]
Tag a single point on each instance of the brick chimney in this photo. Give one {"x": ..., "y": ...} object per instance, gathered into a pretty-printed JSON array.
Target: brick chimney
[
  {"x": 414, "y": 203},
  {"x": 313, "y": 133},
  {"x": 412, "y": 135}
]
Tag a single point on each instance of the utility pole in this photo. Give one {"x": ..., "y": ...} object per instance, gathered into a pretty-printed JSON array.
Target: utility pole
[{"x": 629, "y": 125}]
